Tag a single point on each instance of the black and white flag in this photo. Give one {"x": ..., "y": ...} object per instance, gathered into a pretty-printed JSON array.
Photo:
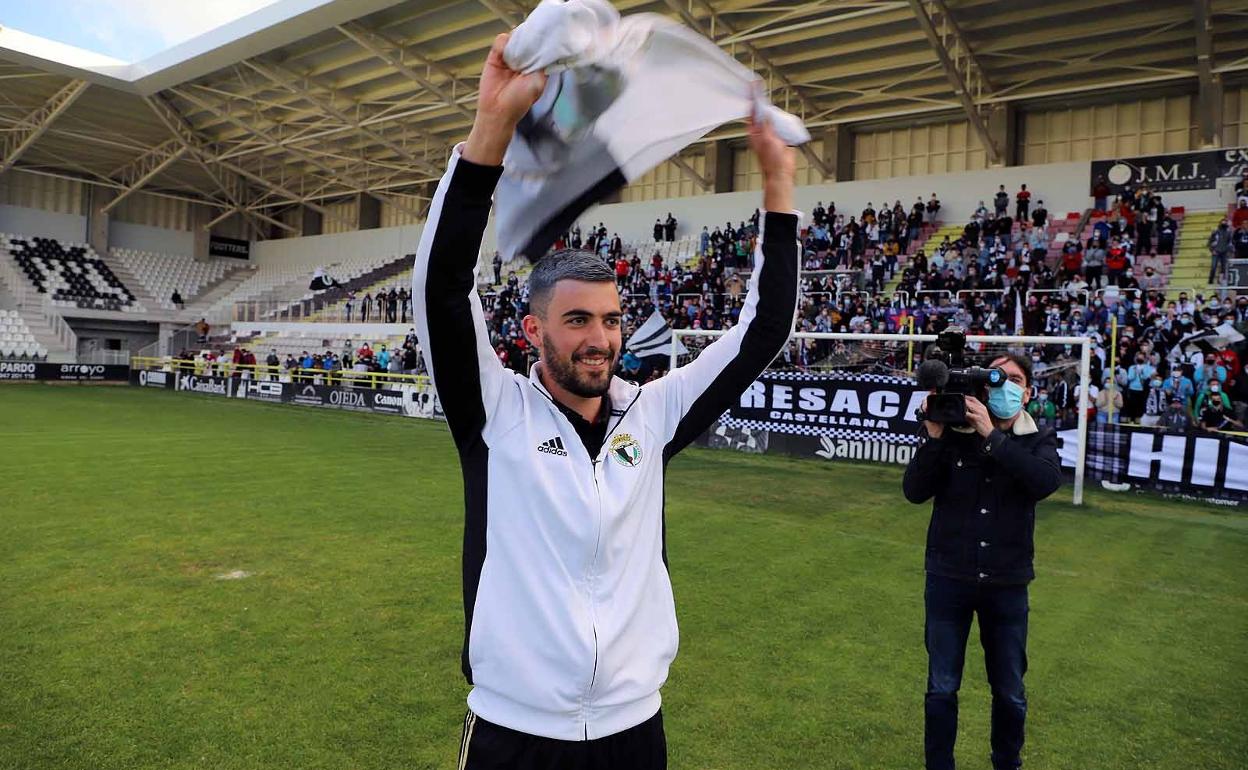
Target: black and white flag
[{"x": 653, "y": 338}]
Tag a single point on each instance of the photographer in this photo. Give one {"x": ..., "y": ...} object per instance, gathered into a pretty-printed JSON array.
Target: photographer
[{"x": 986, "y": 478}]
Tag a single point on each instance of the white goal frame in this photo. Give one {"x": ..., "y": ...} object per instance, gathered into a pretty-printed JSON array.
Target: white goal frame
[{"x": 1084, "y": 345}]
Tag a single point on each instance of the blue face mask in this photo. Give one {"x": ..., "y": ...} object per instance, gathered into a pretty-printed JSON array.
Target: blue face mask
[{"x": 1005, "y": 401}]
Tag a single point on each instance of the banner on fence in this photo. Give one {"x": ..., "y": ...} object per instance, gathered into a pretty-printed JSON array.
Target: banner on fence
[
  {"x": 44, "y": 372},
  {"x": 205, "y": 384},
  {"x": 1206, "y": 466},
  {"x": 1197, "y": 466},
  {"x": 858, "y": 407},
  {"x": 153, "y": 379},
  {"x": 262, "y": 390},
  {"x": 407, "y": 400}
]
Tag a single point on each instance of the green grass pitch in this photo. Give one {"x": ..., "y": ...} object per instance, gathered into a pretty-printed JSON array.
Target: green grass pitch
[{"x": 798, "y": 586}]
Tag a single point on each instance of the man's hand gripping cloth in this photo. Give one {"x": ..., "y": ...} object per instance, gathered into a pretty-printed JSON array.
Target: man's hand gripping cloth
[{"x": 623, "y": 95}]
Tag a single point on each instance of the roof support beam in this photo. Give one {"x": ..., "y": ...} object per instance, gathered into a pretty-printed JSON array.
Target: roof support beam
[
  {"x": 691, "y": 172},
  {"x": 231, "y": 185},
  {"x": 961, "y": 69},
  {"x": 33, "y": 125},
  {"x": 306, "y": 157},
  {"x": 770, "y": 71},
  {"x": 322, "y": 98},
  {"x": 1209, "y": 100},
  {"x": 396, "y": 55},
  {"x": 143, "y": 169},
  {"x": 504, "y": 14}
]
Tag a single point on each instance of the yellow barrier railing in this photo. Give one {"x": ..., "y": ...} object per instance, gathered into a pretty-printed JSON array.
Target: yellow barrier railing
[{"x": 225, "y": 368}]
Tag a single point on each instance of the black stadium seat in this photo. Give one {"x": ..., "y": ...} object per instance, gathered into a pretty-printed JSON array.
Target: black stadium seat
[{"x": 73, "y": 275}]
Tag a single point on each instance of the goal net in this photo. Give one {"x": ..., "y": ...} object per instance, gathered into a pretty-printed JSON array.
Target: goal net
[{"x": 854, "y": 396}]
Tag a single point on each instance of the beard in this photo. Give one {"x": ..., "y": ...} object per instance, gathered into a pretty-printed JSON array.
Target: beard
[{"x": 564, "y": 370}]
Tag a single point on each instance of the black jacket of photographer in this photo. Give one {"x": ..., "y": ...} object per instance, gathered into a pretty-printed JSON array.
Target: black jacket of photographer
[{"x": 985, "y": 492}]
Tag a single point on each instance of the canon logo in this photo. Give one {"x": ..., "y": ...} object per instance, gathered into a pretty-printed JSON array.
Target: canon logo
[{"x": 383, "y": 399}]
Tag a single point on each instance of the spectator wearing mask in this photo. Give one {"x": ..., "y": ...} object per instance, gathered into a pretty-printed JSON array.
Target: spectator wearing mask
[
  {"x": 1155, "y": 404},
  {"x": 1180, "y": 387},
  {"x": 1040, "y": 217},
  {"x": 1001, "y": 201},
  {"x": 1101, "y": 192},
  {"x": 1240, "y": 240},
  {"x": 1094, "y": 263},
  {"x": 1042, "y": 410},
  {"x": 1023, "y": 199},
  {"x": 1151, "y": 280},
  {"x": 1238, "y": 391},
  {"x": 1115, "y": 262},
  {"x": 272, "y": 362},
  {"x": 1108, "y": 403},
  {"x": 1166, "y": 230},
  {"x": 1211, "y": 371},
  {"x": 1212, "y": 391},
  {"x": 1215, "y": 414},
  {"x": 1176, "y": 418},
  {"x": 1221, "y": 247}
]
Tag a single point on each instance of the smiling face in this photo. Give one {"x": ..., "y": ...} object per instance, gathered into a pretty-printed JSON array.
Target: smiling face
[{"x": 578, "y": 334}]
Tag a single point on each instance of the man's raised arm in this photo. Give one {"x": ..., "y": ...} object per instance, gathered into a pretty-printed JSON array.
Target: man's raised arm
[
  {"x": 446, "y": 309},
  {"x": 699, "y": 392}
]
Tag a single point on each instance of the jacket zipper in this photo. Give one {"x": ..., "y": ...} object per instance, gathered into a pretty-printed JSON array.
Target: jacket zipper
[{"x": 593, "y": 676}]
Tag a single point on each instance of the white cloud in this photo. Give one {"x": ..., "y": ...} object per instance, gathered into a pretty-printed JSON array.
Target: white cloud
[{"x": 136, "y": 29}]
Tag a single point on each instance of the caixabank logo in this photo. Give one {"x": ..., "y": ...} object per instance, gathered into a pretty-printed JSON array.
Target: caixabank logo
[{"x": 210, "y": 385}]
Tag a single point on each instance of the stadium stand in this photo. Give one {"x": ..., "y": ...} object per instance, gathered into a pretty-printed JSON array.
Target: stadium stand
[
  {"x": 163, "y": 274},
  {"x": 73, "y": 275},
  {"x": 16, "y": 338}
]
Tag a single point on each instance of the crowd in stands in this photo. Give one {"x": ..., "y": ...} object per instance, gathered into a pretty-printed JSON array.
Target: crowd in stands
[
  {"x": 997, "y": 276},
  {"x": 393, "y": 306},
  {"x": 307, "y": 366}
]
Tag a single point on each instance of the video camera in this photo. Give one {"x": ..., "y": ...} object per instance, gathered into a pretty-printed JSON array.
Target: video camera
[{"x": 944, "y": 372}]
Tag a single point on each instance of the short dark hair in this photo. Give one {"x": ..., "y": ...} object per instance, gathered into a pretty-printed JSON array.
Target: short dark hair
[
  {"x": 564, "y": 265},
  {"x": 1022, "y": 362}
]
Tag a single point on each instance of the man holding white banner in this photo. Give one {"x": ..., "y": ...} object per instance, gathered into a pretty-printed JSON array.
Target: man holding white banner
[{"x": 570, "y": 621}]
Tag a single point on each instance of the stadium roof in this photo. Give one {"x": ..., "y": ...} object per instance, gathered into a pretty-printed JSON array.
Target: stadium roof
[{"x": 305, "y": 101}]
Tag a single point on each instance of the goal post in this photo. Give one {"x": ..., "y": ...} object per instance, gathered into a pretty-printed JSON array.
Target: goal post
[{"x": 903, "y": 354}]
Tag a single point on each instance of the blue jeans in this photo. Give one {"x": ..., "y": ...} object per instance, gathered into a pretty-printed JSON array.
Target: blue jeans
[{"x": 1002, "y": 614}]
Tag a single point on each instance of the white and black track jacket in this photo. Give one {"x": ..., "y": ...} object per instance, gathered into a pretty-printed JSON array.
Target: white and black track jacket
[{"x": 570, "y": 624}]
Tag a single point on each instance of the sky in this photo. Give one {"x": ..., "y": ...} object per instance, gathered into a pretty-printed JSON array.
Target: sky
[{"x": 129, "y": 30}]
